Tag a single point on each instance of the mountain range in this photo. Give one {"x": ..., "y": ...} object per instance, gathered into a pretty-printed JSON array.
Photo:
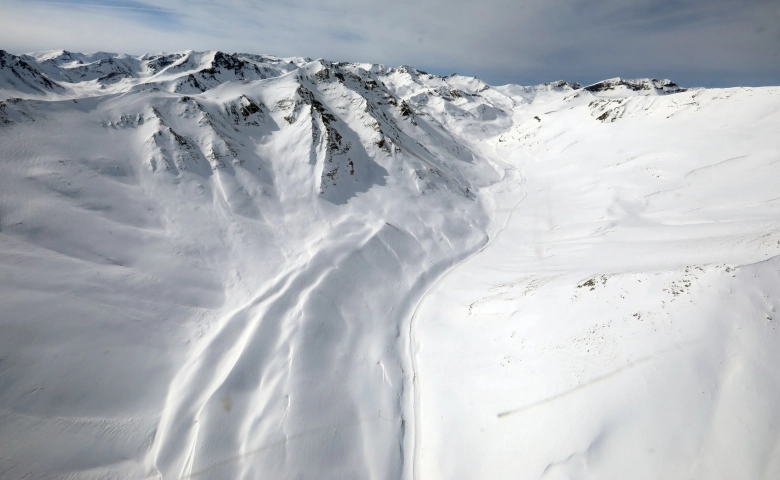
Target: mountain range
[{"x": 222, "y": 265}]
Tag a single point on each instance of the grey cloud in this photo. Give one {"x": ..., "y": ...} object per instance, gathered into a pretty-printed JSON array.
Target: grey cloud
[{"x": 695, "y": 42}]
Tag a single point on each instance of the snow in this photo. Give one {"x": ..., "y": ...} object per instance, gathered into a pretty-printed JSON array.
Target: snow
[
  {"x": 243, "y": 266},
  {"x": 623, "y": 325}
]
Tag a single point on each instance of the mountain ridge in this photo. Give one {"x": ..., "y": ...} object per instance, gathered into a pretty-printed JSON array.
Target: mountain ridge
[{"x": 106, "y": 69}]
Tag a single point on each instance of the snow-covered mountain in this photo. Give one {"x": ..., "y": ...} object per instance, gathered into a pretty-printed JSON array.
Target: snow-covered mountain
[{"x": 243, "y": 266}]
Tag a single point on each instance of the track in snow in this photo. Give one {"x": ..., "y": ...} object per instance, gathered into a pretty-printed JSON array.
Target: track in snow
[{"x": 413, "y": 406}]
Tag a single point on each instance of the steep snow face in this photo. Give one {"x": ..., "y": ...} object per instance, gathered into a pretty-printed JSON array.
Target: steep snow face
[
  {"x": 243, "y": 266},
  {"x": 18, "y": 76}
]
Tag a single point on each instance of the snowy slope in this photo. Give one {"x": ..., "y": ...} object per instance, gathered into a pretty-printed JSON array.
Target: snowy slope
[
  {"x": 623, "y": 325},
  {"x": 215, "y": 283},
  {"x": 19, "y": 76},
  {"x": 242, "y": 266}
]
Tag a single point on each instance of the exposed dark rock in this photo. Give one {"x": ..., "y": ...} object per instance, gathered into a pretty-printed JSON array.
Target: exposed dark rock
[{"x": 642, "y": 84}]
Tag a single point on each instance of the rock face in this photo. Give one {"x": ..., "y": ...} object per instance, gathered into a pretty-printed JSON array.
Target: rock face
[
  {"x": 644, "y": 85},
  {"x": 17, "y": 75},
  {"x": 245, "y": 266}
]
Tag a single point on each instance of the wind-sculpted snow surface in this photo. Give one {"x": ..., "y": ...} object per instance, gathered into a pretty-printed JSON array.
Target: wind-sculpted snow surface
[{"x": 241, "y": 266}]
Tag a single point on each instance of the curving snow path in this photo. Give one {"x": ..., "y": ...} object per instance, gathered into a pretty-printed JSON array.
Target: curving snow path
[{"x": 504, "y": 197}]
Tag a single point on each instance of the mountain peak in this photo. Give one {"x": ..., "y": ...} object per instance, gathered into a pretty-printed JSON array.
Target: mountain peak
[{"x": 642, "y": 85}]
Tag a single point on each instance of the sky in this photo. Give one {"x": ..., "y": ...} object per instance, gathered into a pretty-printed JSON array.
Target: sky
[{"x": 707, "y": 43}]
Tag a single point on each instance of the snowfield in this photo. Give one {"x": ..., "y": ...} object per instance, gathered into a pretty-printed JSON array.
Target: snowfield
[{"x": 235, "y": 266}]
